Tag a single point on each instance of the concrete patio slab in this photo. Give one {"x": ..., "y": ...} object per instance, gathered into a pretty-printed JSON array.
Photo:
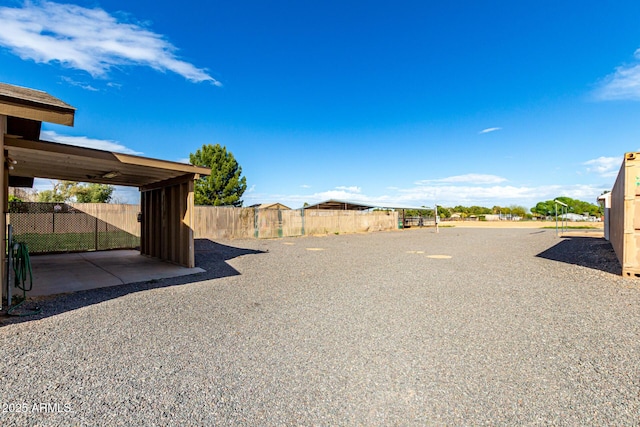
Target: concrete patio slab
[{"x": 61, "y": 273}]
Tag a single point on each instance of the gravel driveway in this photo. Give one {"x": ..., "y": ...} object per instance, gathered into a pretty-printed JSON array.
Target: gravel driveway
[{"x": 463, "y": 327}]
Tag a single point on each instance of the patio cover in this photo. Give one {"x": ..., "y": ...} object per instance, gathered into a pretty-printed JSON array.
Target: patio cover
[{"x": 167, "y": 187}]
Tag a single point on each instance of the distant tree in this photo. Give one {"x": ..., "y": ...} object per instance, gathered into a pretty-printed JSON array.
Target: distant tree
[
  {"x": 60, "y": 193},
  {"x": 418, "y": 212},
  {"x": 444, "y": 212},
  {"x": 520, "y": 211},
  {"x": 462, "y": 210},
  {"x": 13, "y": 198},
  {"x": 428, "y": 212},
  {"x": 66, "y": 191},
  {"x": 93, "y": 193},
  {"x": 548, "y": 208},
  {"x": 225, "y": 185},
  {"x": 479, "y": 210}
]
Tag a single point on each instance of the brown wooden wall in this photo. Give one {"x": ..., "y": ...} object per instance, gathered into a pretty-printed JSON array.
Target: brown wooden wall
[
  {"x": 624, "y": 218},
  {"x": 167, "y": 222},
  {"x": 616, "y": 215}
]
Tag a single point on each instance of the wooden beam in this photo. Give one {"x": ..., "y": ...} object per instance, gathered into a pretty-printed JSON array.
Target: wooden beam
[
  {"x": 4, "y": 196},
  {"x": 161, "y": 164},
  {"x": 54, "y": 147},
  {"x": 169, "y": 182},
  {"x": 60, "y": 161},
  {"x": 38, "y": 113}
]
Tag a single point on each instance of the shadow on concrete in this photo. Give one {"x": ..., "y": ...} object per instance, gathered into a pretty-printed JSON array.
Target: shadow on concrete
[
  {"x": 590, "y": 252},
  {"x": 210, "y": 256}
]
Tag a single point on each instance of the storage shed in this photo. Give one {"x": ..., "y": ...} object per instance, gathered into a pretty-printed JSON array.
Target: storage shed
[{"x": 624, "y": 217}]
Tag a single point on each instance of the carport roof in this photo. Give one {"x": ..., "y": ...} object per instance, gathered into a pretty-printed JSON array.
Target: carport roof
[
  {"x": 340, "y": 206},
  {"x": 30, "y": 157},
  {"x": 43, "y": 159},
  {"x": 31, "y": 104}
]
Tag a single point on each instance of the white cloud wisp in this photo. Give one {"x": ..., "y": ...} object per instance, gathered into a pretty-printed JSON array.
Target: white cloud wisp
[
  {"x": 470, "y": 178},
  {"x": 623, "y": 84},
  {"x": 88, "y": 39},
  {"x": 607, "y": 167},
  {"x": 489, "y": 130}
]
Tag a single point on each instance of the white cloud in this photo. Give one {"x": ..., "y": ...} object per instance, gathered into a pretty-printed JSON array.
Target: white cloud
[
  {"x": 607, "y": 167},
  {"x": 446, "y": 195},
  {"x": 125, "y": 195},
  {"x": 83, "y": 141},
  {"x": 470, "y": 178},
  {"x": 88, "y": 39},
  {"x": 352, "y": 189},
  {"x": 624, "y": 83},
  {"x": 82, "y": 85},
  {"x": 488, "y": 130}
]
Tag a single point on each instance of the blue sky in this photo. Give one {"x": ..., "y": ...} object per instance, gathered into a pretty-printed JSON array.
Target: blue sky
[{"x": 405, "y": 103}]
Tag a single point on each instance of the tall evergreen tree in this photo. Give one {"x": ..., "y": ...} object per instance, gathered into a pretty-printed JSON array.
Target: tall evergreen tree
[{"x": 225, "y": 185}]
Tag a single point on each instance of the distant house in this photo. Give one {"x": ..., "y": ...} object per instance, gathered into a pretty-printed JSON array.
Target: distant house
[{"x": 279, "y": 206}]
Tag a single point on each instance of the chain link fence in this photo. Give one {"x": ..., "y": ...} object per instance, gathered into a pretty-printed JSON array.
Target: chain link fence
[{"x": 60, "y": 227}]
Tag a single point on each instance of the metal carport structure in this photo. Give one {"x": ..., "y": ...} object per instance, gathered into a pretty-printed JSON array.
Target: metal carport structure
[
  {"x": 340, "y": 205},
  {"x": 166, "y": 187}
]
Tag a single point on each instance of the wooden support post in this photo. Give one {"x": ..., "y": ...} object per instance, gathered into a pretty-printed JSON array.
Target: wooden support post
[{"x": 4, "y": 197}]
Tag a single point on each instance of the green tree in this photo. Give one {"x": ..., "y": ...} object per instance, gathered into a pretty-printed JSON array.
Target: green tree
[
  {"x": 61, "y": 192},
  {"x": 479, "y": 210},
  {"x": 225, "y": 185},
  {"x": 548, "y": 207},
  {"x": 65, "y": 191},
  {"x": 444, "y": 212},
  {"x": 93, "y": 193},
  {"x": 516, "y": 210}
]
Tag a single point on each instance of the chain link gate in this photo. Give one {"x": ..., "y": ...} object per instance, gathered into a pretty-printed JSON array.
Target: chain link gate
[{"x": 59, "y": 227}]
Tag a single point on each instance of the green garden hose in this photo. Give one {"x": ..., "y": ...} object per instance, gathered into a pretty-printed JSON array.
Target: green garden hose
[{"x": 22, "y": 272}]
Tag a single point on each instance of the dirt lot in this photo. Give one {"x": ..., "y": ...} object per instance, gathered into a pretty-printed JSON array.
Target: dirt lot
[{"x": 469, "y": 326}]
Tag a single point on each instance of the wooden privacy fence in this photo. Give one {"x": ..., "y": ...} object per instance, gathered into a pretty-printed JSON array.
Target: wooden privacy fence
[
  {"x": 225, "y": 222},
  {"x": 76, "y": 227}
]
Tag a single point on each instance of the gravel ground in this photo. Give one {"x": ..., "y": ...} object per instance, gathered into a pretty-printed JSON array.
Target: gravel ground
[{"x": 501, "y": 327}]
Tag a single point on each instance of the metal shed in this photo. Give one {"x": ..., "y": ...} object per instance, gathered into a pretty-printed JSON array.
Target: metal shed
[
  {"x": 340, "y": 205},
  {"x": 166, "y": 187}
]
